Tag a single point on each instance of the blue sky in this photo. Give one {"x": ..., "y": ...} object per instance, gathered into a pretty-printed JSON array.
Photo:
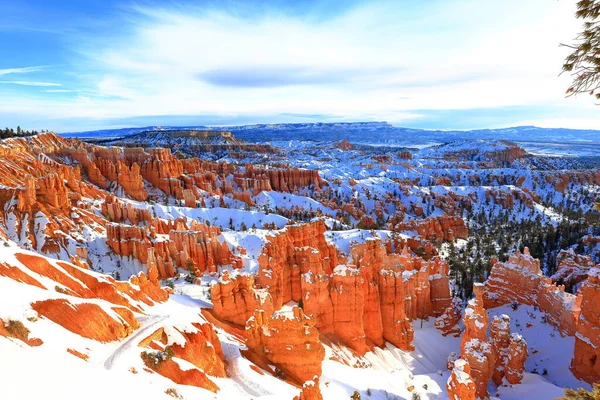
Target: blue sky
[{"x": 73, "y": 65}]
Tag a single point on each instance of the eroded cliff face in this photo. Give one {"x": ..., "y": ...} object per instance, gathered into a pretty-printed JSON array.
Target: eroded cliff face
[
  {"x": 520, "y": 280},
  {"x": 572, "y": 268},
  {"x": 363, "y": 302},
  {"x": 196, "y": 247},
  {"x": 586, "y": 359},
  {"x": 437, "y": 228},
  {"x": 289, "y": 340},
  {"x": 235, "y": 299},
  {"x": 474, "y": 345}
]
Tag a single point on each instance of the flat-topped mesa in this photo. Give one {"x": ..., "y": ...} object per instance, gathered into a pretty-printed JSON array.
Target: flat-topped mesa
[
  {"x": 520, "y": 280},
  {"x": 289, "y": 340},
  {"x": 436, "y": 228},
  {"x": 460, "y": 385},
  {"x": 585, "y": 364}
]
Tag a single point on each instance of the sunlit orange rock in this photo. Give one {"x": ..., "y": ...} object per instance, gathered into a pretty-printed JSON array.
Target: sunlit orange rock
[
  {"x": 516, "y": 356},
  {"x": 520, "y": 280},
  {"x": 474, "y": 345},
  {"x": 585, "y": 364},
  {"x": 460, "y": 385},
  {"x": 289, "y": 340},
  {"x": 235, "y": 299},
  {"x": 500, "y": 339},
  {"x": 310, "y": 391},
  {"x": 447, "y": 323},
  {"x": 87, "y": 319},
  {"x": 436, "y": 228}
]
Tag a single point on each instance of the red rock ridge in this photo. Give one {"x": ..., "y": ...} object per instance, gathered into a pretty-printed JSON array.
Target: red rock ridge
[
  {"x": 521, "y": 280},
  {"x": 290, "y": 341},
  {"x": 585, "y": 364}
]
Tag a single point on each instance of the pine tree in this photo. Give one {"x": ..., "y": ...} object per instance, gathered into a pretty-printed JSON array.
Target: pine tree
[{"x": 582, "y": 394}]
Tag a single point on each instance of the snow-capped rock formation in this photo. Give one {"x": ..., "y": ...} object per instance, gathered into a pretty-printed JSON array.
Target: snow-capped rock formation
[
  {"x": 586, "y": 360},
  {"x": 520, "y": 280}
]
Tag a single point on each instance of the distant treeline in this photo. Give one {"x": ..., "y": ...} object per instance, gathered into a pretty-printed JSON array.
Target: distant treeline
[{"x": 10, "y": 132}]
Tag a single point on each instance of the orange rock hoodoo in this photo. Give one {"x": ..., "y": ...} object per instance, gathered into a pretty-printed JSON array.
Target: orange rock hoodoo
[
  {"x": 235, "y": 299},
  {"x": 510, "y": 351},
  {"x": 197, "y": 247},
  {"x": 586, "y": 359},
  {"x": 517, "y": 355},
  {"x": 361, "y": 304},
  {"x": 475, "y": 348},
  {"x": 288, "y": 340},
  {"x": 520, "y": 280},
  {"x": 460, "y": 385}
]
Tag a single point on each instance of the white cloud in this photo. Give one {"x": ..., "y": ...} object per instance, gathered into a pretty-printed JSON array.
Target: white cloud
[
  {"x": 23, "y": 70},
  {"x": 377, "y": 61},
  {"x": 30, "y": 83}
]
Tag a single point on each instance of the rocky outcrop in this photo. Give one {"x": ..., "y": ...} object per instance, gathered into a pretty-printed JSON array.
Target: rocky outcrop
[
  {"x": 585, "y": 364},
  {"x": 117, "y": 211},
  {"x": 196, "y": 343},
  {"x": 447, "y": 323},
  {"x": 287, "y": 255},
  {"x": 289, "y": 340},
  {"x": 460, "y": 385},
  {"x": 520, "y": 280},
  {"x": 436, "y": 228},
  {"x": 361, "y": 303},
  {"x": 310, "y": 391},
  {"x": 500, "y": 340},
  {"x": 516, "y": 357},
  {"x": 572, "y": 268},
  {"x": 475, "y": 348},
  {"x": 87, "y": 319},
  {"x": 235, "y": 299},
  {"x": 197, "y": 248}
]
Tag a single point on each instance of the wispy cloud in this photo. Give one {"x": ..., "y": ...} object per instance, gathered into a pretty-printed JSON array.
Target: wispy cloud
[
  {"x": 23, "y": 70},
  {"x": 60, "y": 91},
  {"x": 374, "y": 60},
  {"x": 30, "y": 83}
]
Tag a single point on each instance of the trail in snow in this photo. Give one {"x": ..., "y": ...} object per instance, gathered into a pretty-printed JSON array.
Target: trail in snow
[
  {"x": 236, "y": 373},
  {"x": 149, "y": 324}
]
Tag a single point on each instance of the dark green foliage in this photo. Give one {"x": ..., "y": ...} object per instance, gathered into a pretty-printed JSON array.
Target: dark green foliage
[
  {"x": 584, "y": 61},
  {"x": 10, "y": 133},
  {"x": 582, "y": 394}
]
